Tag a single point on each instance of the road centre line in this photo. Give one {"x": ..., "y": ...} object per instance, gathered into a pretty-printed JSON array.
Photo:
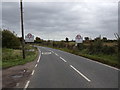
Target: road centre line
[
  {"x": 56, "y": 54},
  {"x": 52, "y": 51},
  {"x": 96, "y": 62},
  {"x": 80, "y": 73},
  {"x": 63, "y": 59}
]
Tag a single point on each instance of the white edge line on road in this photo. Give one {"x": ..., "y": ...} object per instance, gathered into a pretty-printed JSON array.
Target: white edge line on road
[
  {"x": 63, "y": 59},
  {"x": 80, "y": 73},
  {"x": 33, "y": 72},
  {"x": 26, "y": 85},
  {"x": 101, "y": 64},
  {"x": 35, "y": 65},
  {"x": 39, "y": 56}
]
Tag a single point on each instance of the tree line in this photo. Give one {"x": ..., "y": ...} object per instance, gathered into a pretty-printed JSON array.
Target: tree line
[{"x": 96, "y": 46}]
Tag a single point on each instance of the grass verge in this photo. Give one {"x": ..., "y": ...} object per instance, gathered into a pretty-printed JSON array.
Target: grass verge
[{"x": 13, "y": 57}]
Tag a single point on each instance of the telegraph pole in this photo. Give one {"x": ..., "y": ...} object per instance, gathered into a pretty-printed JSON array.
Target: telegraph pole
[{"x": 22, "y": 29}]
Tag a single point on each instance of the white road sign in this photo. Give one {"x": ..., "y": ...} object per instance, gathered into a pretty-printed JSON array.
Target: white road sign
[
  {"x": 79, "y": 39},
  {"x": 29, "y": 38}
]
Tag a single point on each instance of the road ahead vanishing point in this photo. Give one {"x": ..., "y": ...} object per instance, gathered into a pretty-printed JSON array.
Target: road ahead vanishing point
[{"x": 59, "y": 69}]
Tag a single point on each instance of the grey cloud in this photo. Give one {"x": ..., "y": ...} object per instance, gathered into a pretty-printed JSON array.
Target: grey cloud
[{"x": 60, "y": 20}]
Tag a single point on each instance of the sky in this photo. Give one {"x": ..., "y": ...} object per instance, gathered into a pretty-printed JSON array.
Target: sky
[{"x": 58, "y": 20}]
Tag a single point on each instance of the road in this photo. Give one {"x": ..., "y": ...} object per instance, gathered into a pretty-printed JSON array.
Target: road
[{"x": 59, "y": 69}]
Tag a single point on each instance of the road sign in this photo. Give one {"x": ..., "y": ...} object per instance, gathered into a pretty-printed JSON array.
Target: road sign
[
  {"x": 29, "y": 38},
  {"x": 79, "y": 39}
]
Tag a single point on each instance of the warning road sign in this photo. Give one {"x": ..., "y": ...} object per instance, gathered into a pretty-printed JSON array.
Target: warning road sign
[
  {"x": 29, "y": 38},
  {"x": 79, "y": 39}
]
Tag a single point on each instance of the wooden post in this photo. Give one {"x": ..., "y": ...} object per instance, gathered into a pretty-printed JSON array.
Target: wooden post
[{"x": 22, "y": 29}]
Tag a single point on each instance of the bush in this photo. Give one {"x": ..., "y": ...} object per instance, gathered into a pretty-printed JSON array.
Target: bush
[
  {"x": 108, "y": 50},
  {"x": 9, "y": 40},
  {"x": 95, "y": 47}
]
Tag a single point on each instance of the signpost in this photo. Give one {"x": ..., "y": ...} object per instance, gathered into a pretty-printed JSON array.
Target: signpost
[
  {"x": 78, "y": 40},
  {"x": 29, "y": 38}
]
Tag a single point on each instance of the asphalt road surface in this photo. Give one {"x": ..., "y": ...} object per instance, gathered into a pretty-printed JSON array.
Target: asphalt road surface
[{"x": 59, "y": 69}]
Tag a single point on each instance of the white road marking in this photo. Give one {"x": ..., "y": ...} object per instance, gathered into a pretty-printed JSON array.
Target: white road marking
[
  {"x": 38, "y": 60},
  {"x": 80, "y": 73},
  {"x": 39, "y": 56},
  {"x": 46, "y": 53},
  {"x": 56, "y": 54},
  {"x": 52, "y": 51},
  {"x": 36, "y": 65},
  {"x": 26, "y": 85},
  {"x": 17, "y": 84},
  {"x": 33, "y": 72},
  {"x": 96, "y": 62},
  {"x": 63, "y": 59},
  {"x": 101, "y": 63},
  {"x": 24, "y": 70}
]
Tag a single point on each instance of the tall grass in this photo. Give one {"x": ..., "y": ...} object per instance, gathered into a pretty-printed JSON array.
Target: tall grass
[{"x": 13, "y": 57}]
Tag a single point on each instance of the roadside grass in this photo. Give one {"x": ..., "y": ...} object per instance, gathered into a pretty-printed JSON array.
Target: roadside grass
[
  {"x": 111, "y": 60},
  {"x": 0, "y": 57},
  {"x": 13, "y": 57},
  {"x": 0, "y": 64}
]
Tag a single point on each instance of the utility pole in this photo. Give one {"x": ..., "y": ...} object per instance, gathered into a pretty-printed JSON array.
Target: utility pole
[{"x": 22, "y": 29}]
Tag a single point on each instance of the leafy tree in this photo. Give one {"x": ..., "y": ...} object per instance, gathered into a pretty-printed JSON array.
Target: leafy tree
[
  {"x": 104, "y": 39},
  {"x": 20, "y": 38},
  {"x": 9, "y": 40},
  {"x": 37, "y": 38},
  {"x": 66, "y": 39},
  {"x": 86, "y": 38}
]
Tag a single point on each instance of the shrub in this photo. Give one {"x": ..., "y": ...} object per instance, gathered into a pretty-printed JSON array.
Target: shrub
[
  {"x": 108, "y": 50},
  {"x": 9, "y": 40}
]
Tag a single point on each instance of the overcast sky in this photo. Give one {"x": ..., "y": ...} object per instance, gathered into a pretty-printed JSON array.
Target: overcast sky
[{"x": 58, "y": 20}]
